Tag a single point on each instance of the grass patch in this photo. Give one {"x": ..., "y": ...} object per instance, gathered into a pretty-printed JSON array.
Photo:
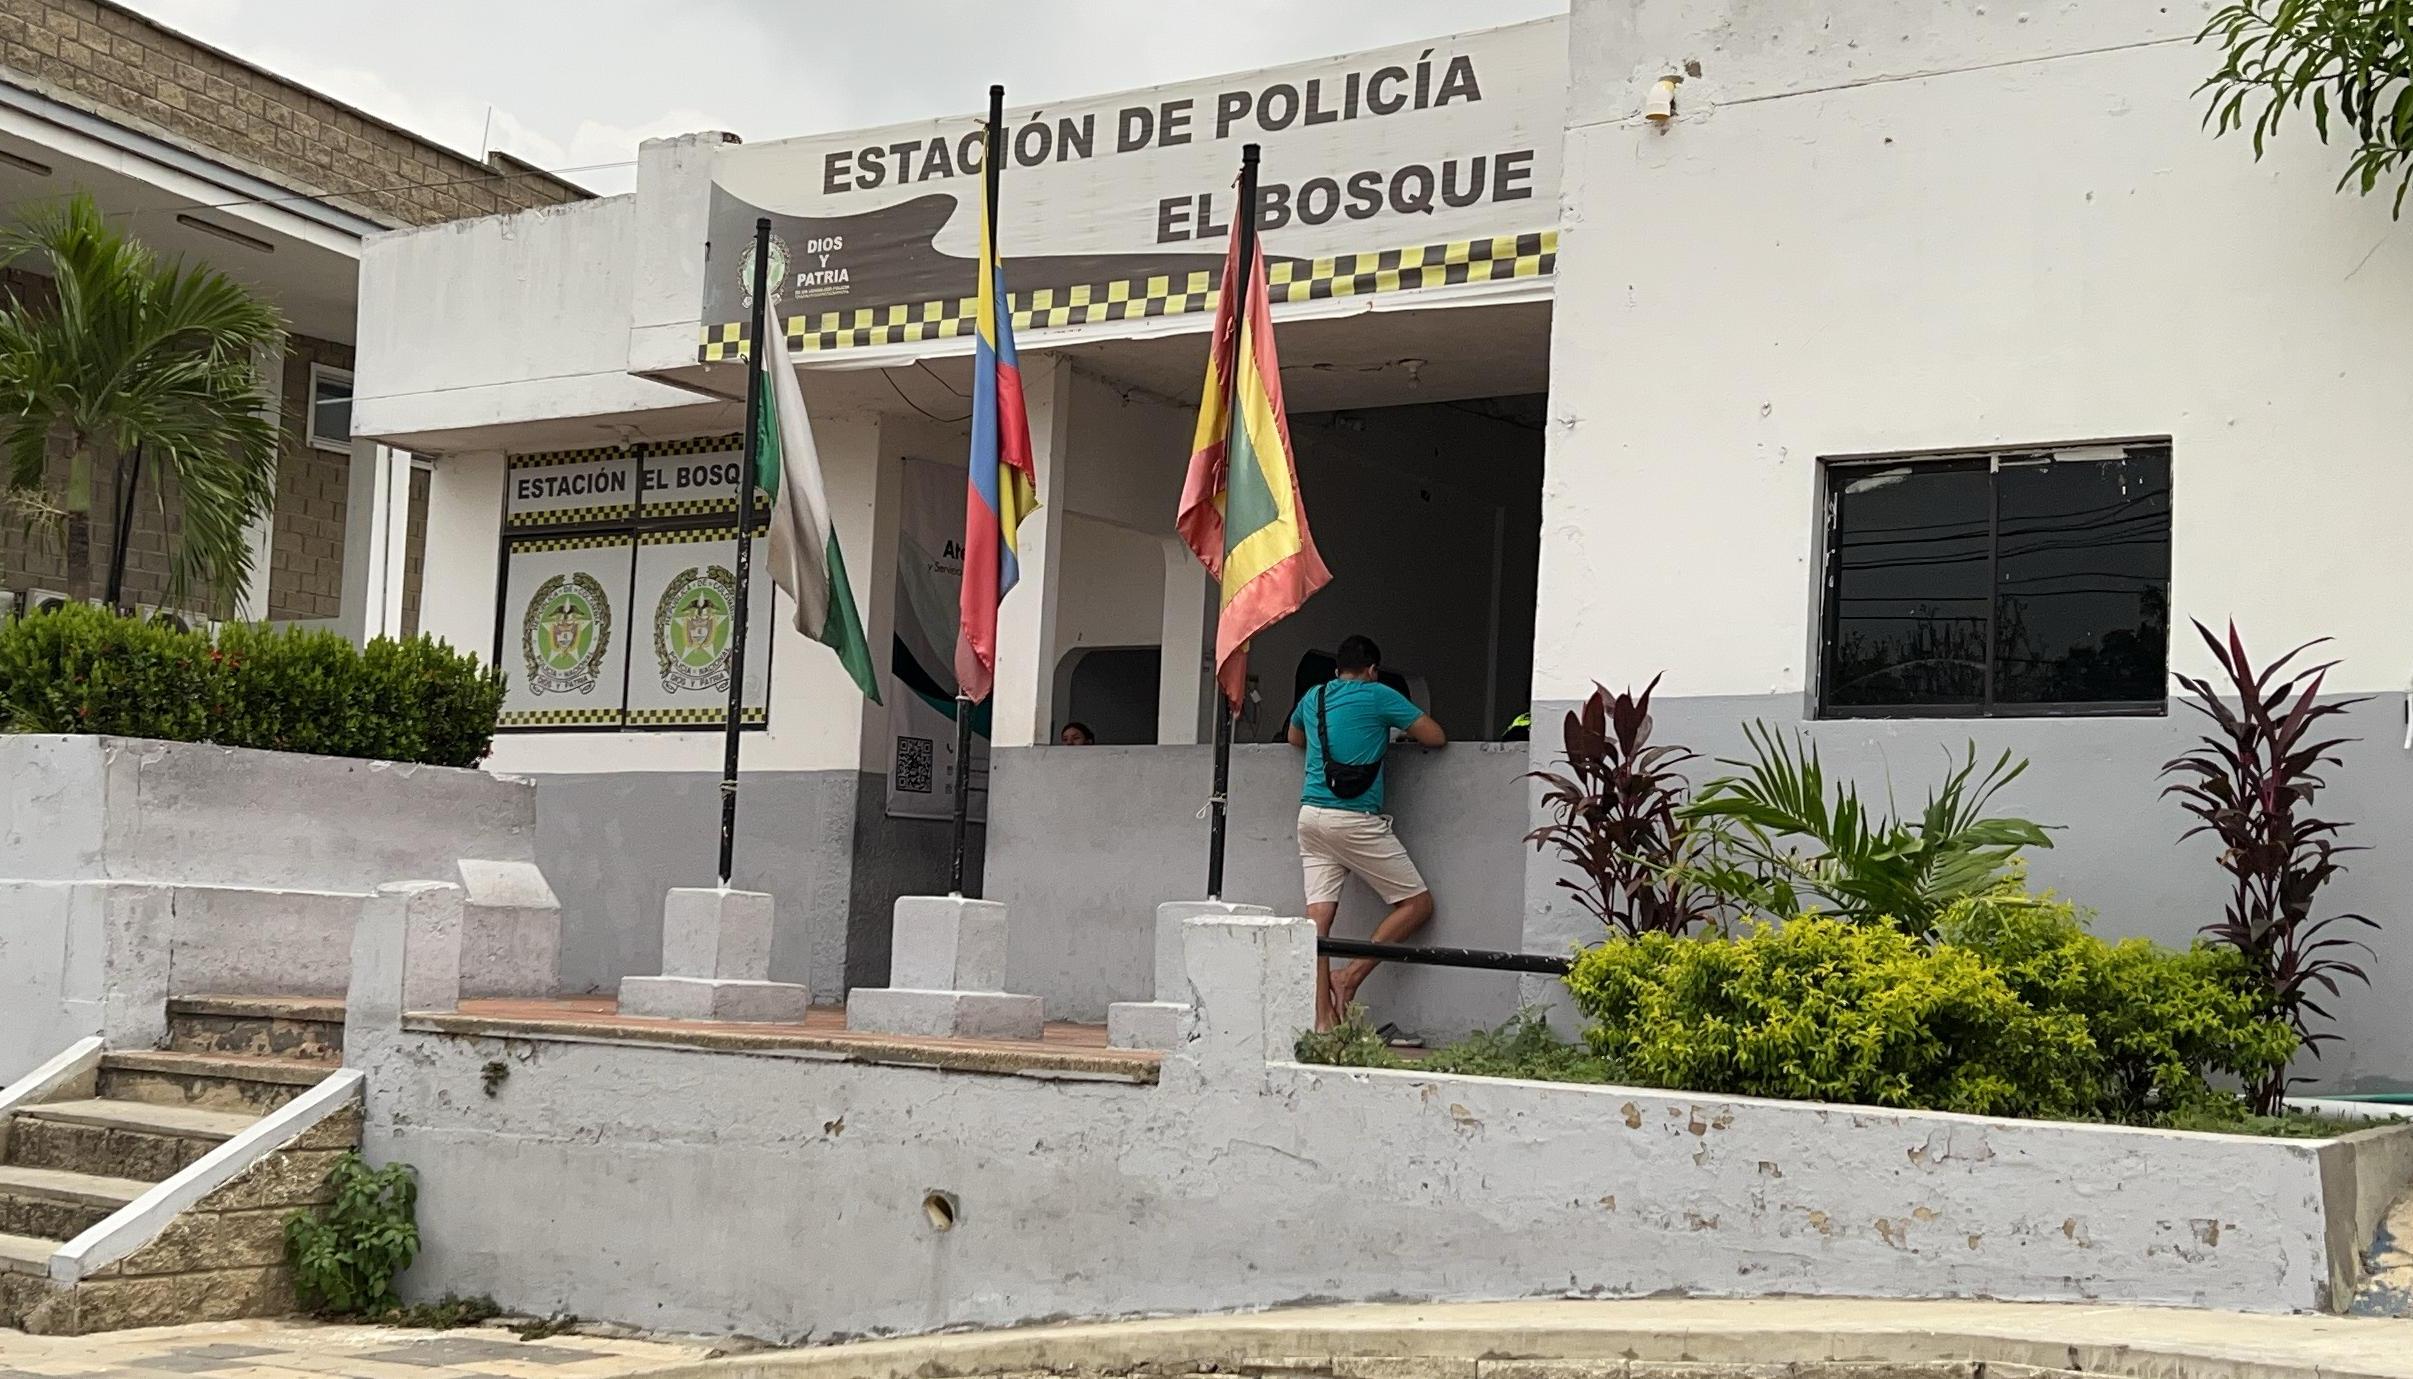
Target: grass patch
[
  {"x": 450, "y": 1313},
  {"x": 1522, "y": 1048}
]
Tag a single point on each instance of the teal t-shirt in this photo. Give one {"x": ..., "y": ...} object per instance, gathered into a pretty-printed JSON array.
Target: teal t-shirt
[{"x": 1361, "y": 714}]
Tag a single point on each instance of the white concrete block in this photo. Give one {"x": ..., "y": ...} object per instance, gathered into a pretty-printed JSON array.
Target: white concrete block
[
  {"x": 699, "y": 998},
  {"x": 1145, "y": 1024},
  {"x": 712, "y": 933},
  {"x": 947, "y": 943},
  {"x": 945, "y": 1014},
  {"x": 1171, "y": 983},
  {"x": 510, "y": 930},
  {"x": 406, "y": 953},
  {"x": 1252, "y": 990}
]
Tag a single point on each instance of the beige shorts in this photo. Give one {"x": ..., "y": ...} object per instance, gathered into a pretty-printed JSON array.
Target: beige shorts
[{"x": 1335, "y": 844}]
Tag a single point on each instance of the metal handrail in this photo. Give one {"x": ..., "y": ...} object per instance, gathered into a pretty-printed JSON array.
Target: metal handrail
[{"x": 1486, "y": 959}]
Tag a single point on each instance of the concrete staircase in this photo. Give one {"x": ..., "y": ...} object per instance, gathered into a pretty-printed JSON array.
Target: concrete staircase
[{"x": 69, "y": 1164}]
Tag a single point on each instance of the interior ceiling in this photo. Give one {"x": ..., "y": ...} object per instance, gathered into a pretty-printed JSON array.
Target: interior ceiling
[{"x": 315, "y": 287}]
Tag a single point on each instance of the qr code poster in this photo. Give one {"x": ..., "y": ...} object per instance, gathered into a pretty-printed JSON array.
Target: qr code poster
[{"x": 920, "y": 692}]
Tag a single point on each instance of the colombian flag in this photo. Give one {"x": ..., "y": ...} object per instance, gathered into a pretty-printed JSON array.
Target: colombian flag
[
  {"x": 1240, "y": 507},
  {"x": 1004, "y": 484}
]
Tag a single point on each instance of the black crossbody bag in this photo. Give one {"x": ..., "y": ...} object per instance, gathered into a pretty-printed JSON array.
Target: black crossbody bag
[{"x": 1345, "y": 779}]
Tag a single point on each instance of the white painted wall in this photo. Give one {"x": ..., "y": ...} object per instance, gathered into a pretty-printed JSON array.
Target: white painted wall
[
  {"x": 504, "y": 319},
  {"x": 1889, "y": 225},
  {"x": 1114, "y": 586},
  {"x": 1245, "y": 1180}
]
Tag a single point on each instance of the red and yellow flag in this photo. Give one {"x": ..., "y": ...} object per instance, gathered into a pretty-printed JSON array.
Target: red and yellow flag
[{"x": 1240, "y": 506}]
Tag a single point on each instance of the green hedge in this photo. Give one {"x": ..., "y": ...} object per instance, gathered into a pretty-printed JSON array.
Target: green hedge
[
  {"x": 82, "y": 669},
  {"x": 2017, "y": 1012}
]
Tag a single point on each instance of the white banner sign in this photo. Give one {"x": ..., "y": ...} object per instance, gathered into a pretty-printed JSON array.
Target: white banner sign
[
  {"x": 1437, "y": 162},
  {"x": 921, "y": 673}
]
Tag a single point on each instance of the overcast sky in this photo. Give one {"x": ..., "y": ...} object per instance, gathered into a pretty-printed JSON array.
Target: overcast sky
[{"x": 576, "y": 83}]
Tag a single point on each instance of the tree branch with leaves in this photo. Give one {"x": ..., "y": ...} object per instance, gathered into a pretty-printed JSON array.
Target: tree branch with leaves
[{"x": 2350, "y": 62}]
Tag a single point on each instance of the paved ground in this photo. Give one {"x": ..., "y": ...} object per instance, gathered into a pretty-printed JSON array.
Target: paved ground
[
  {"x": 302, "y": 1350},
  {"x": 1791, "y": 1338}
]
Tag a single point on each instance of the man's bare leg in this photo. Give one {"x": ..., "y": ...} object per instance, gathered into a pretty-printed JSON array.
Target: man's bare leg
[
  {"x": 1405, "y": 918},
  {"x": 1326, "y": 1014}
]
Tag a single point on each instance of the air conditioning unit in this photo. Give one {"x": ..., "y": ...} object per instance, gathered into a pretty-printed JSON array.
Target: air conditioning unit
[
  {"x": 47, "y": 600},
  {"x": 177, "y": 619}
]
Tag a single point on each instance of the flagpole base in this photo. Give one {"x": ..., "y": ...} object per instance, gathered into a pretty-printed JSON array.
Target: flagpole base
[
  {"x": 1157, "y": 1024},
  {"x": 946, "y": 978}
]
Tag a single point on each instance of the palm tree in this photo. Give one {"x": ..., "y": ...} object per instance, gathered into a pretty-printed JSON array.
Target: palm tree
[{"x": 139, "y": 361}]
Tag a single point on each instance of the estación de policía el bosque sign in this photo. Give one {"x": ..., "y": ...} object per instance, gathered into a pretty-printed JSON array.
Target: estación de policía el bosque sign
[{"x": 1425, "y": 165}]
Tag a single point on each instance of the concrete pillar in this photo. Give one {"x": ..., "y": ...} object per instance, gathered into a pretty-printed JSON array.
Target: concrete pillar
[
  {"x": 1183, "y": 696},
  {"x": 1157, "y": 1023},
  {"x": 376, "y": 532},
  {"x": 510, "y": 930},
  {"x": 1026, "y": 622},
  {"x": 716, "y": 963},
  {"x": 406, "y": 953},
  {"x": 1252, "y": 991},
  {"x": 268, "y": 365},
  {"x": 946, "y": 969}
]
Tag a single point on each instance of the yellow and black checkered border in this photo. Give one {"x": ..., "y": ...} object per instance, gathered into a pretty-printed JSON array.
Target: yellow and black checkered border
[
  {"x": 559, "y": 718},
  {"x": 545, "y": 459},
  {"x": 704, "y": 507},
  {"x": 1496, "y": 259},
  {"x": 694, "y": 717},
  {"x": 688, "y": 536},
  {"x": 695, "y": 445},
  {"x": 565, "y": 517},
  {"x": 597, "y": 541}
]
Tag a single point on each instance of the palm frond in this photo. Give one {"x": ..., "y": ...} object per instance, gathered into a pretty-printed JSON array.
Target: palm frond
[{"x": 133, "y": 352}]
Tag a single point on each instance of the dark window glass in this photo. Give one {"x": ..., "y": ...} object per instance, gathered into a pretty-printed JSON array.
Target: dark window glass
[
  {"x": 2014, "y": 583},
  {"x": 1909, "y": 619}
]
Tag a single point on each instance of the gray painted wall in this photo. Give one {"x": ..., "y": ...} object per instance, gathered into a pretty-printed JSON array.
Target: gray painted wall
[
  {"x": 2117, "y": 850},
  {"x": 820, "y": 841},
  {"x": 613, "y": 844},
  {"x": 1086, "y": 841}
]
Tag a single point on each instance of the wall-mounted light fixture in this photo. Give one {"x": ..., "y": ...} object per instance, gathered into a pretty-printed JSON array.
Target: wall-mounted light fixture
[
  {"x": 1661, "y": 107},
  {"x": 230, "y": 236}
]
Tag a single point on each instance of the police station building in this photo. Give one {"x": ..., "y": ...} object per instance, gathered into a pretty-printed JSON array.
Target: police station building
[{"x": 1909, "y": 376}]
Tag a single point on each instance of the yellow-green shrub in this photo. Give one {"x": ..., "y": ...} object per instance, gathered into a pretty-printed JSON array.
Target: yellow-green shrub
[
  {"x": 1825, "y": 1010},
  {"x": 2163, "y": 1022}
]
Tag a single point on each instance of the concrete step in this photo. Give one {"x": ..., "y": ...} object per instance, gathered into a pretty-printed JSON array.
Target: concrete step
[
  {"x": 25, "y": 1254},
  {"x": 122, "y": 1139},
  {"x": 209, "y": 1081},
  {"x": 300, "y": 1027},
  {"x": 57, "y": 1204}
]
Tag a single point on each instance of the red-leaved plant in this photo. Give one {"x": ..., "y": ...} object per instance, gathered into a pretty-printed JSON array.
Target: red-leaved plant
[
  {"x": 2250, "y": 785},
  {"x": 1616, "y": 821}
]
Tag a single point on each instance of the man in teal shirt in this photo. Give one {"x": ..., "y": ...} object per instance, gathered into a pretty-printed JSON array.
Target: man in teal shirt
[{"x": 1344, "y": 725}]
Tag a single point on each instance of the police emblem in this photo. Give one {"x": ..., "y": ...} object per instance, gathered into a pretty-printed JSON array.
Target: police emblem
[
  {"x": 565, "y": 633},
  {"x": 693, "y": 625}
]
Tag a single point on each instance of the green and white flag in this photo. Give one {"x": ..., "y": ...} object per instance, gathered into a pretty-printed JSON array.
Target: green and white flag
[{"x": 805, "y": 562}]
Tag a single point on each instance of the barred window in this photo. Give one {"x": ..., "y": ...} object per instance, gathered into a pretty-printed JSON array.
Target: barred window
[
  {"x": 1998, "y": 583},
  {"x": 618, "y": 599}
]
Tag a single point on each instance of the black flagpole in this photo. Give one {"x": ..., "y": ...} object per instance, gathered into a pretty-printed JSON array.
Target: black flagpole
[
  {"x": 1218, "y": 804},
  {"x": 763, "y": 320},
  {"x": 991, "y": 164}
]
